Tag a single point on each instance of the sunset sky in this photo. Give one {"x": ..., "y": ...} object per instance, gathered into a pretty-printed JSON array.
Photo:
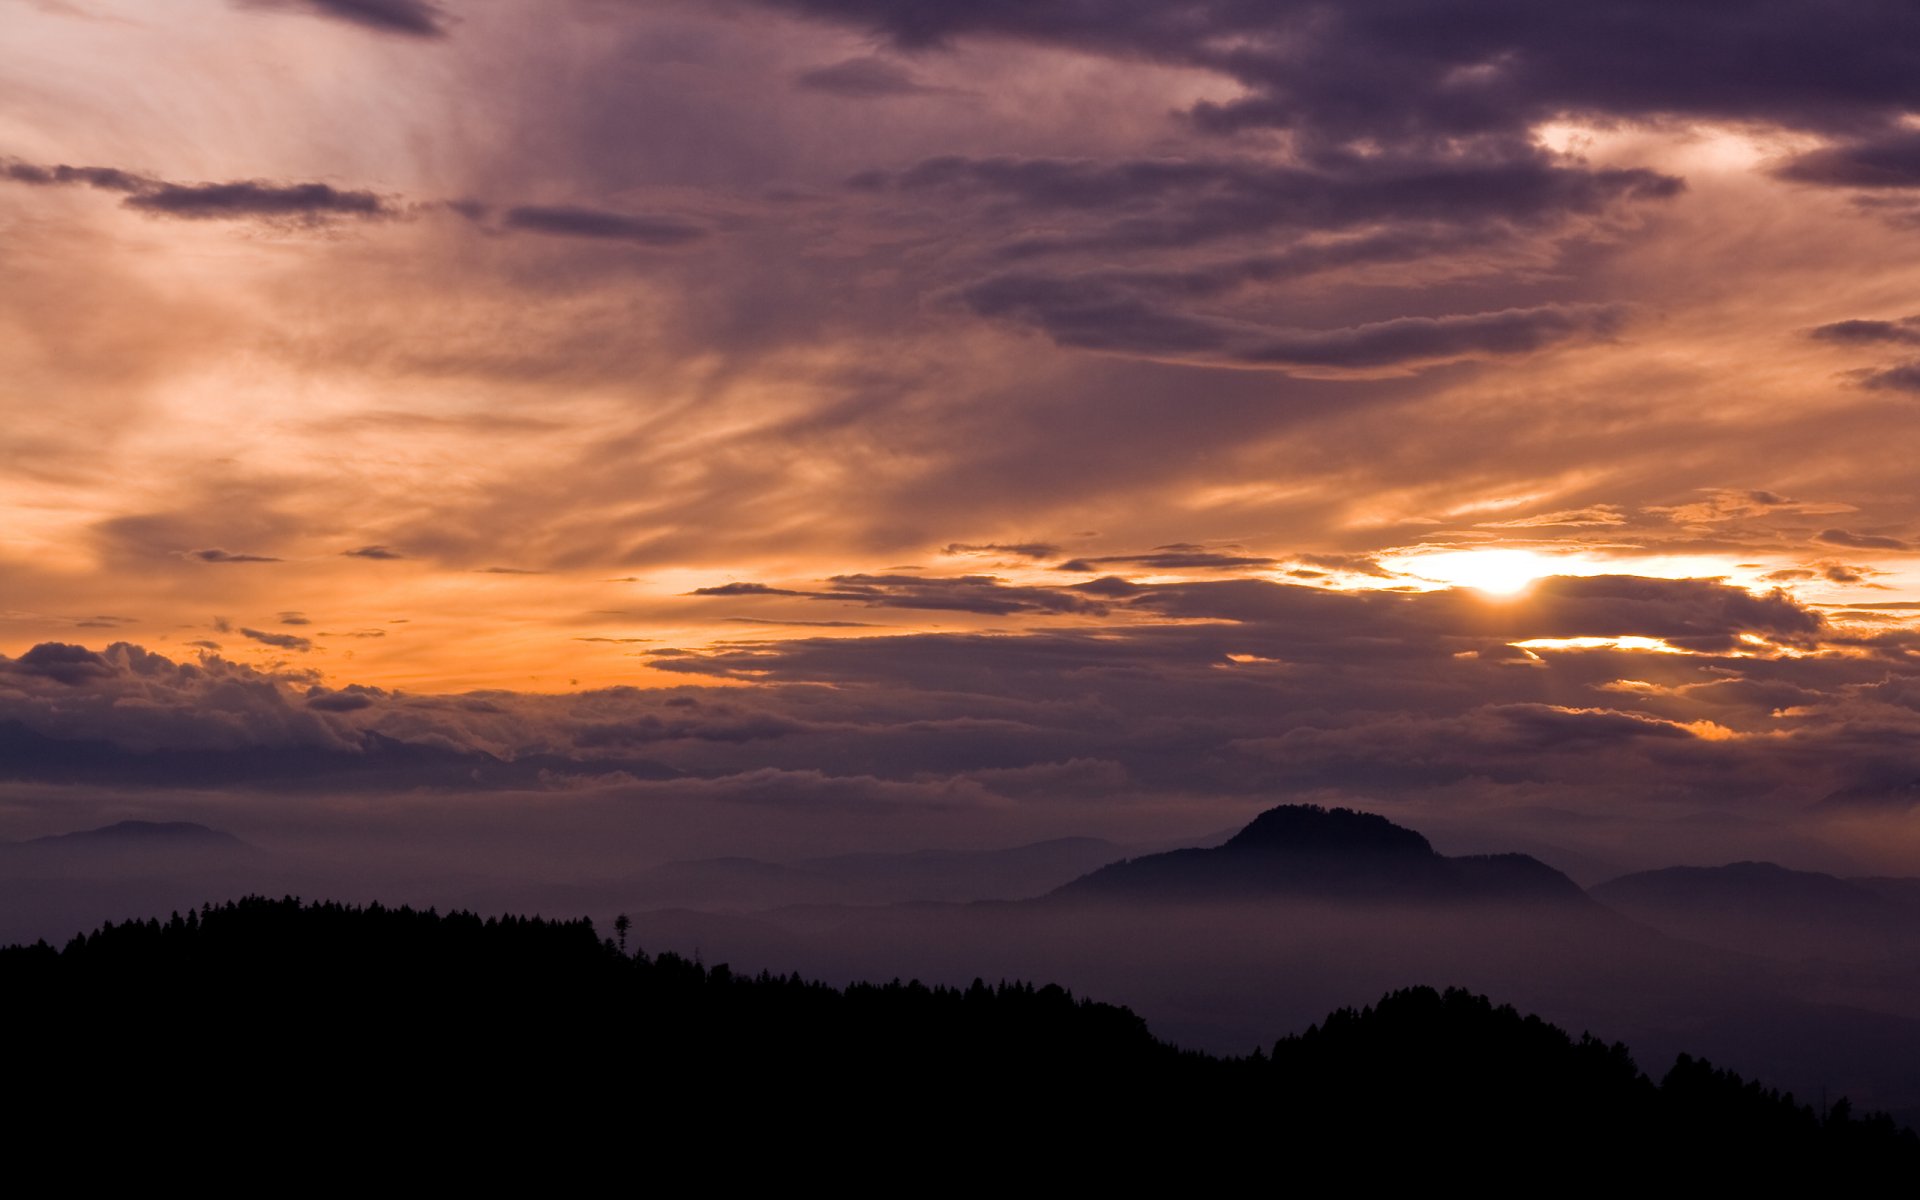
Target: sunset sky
[{"x": 895, "y": 421}]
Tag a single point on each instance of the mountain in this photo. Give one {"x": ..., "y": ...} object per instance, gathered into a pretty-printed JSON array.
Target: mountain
[
  {"x": 1765, "y": 908},
  {"x": 57, "y": 885},
  {"x": 1305, "y": 851},
  {"x": 120, "y": 847},
  {"x": 141, "y": 833}
]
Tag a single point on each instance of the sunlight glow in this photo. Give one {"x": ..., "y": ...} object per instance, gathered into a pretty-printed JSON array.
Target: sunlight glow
[
  {"x": 1497, "y": 572},
  {"x": 1655, "y": 645}
]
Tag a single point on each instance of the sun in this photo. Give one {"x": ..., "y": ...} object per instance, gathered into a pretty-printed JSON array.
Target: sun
[{"x": 1496, "y": 572}]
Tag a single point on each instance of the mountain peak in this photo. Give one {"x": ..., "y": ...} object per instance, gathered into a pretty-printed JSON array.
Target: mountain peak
[
  {"x": 1303, "y": 850},
  {"x": 1311, "y": 829},
  {"x": 142, "y": 833}
]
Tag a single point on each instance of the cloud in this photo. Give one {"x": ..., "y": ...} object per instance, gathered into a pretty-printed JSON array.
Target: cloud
[
  {"x": 1017, "y": 549},
  {"x": 309, "y": 203},
  {"x": 1180, "y": 557},
  {"x": 1088, "y": 317},
  {"x": 284, "y": 641},
  {"x": 351, "y": 698},
  {"x": 745, "y": 589},
  {"x": 985, "y": 594},
  {"x": 216, "y": 555},
  {"x": 256, "y": 198},
  {"x": 863, "y": 79},
  {"x": 1887, "y": 160},
  {"x": 1475, "y": 69},
  {"x": 110, "y": 179},
  {"x": 1722, "y": 505},
  {"x": 605, "y": 226},
  {"x": 1859, "y": 541},
  {"x": 1151, "y": 204},
  {"x": 410, "y": 18},
  {"x": 1904, "y": 331},
  {"x": 1903, "y": 378},
  {"x": 1570, "y": 518},
  {"x": 381, "y": 553},
  {"x": 62, "y": 663}
]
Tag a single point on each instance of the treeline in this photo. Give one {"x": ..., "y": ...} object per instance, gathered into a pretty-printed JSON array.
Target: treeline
[{"x": 385, "y": 1026}]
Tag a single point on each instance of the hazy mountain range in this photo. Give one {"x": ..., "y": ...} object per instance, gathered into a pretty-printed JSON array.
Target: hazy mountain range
[{"x": 1804, "y": 979}]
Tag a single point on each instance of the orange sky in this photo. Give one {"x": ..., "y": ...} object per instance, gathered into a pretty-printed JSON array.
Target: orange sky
[{"x": 544, "y": 349}]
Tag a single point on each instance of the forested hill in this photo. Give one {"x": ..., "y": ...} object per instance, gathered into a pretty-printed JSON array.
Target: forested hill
[{"x": 434, "y": 1021}]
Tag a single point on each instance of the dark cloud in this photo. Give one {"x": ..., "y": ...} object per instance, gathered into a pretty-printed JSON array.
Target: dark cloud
[
  {"x": 507, "y": 571},
  {"x": 310, "y": 203},
  {"x": 1160, "y": 204},
  {"x": 1359, "y": 564},
  {"x": 411, "y": 18},
  {"x": 1074, "y": 313},
  {"x": 1171, "y": 558},
  {"x": 109, "y": 179},
  {"x": 284, "y": 641},
  {"x": 1018, "y": 549},
  {"x": 1885, "y": 160},
  {"x": 745, "y": 589},
  {"x": 351, "y": 698},
  {"x": 217, "y": 555},
  {"x": 62, "y": 663},
  {"x": 605, "y": 226},
  {"x": 256, "y": 198},
  {"x": 985, "y": 594},
  {"x": 1903, "y": 378},
  {"x": 966, "y": 593},
  {"x": 294, "y": 618},
  {"x": 1859, "y": 541},
  {"x": 376, "y": 552},
  {"x": 1474, "y": 69},
  {"x": 863, "y": 79},
  {"x": 1905, "y": 331}
]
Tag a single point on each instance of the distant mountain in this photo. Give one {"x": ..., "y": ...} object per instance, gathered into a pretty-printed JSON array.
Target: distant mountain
[
  {"x": 122, "y": 844},
  {"x": 54, "y": 886},
  {"x": 1303, "y": 850},
  {"x": 1765, "y": 908},
  {"x": 140, "y": 833}
]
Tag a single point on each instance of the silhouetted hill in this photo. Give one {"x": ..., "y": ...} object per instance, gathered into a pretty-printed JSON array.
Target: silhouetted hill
[
  {"x": 1303, "y": 850},
  {"x": 467, "y": 1041},
  {"x": 1764, "y": 908}
]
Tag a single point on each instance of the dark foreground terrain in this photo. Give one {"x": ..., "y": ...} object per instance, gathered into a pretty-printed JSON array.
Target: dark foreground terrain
[{"x": 324, "y": 1029}]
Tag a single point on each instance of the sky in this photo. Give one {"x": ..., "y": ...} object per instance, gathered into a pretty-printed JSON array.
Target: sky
[{"x": 857, "y": 422}]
